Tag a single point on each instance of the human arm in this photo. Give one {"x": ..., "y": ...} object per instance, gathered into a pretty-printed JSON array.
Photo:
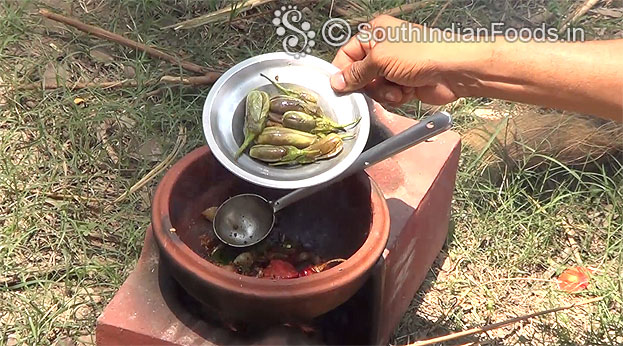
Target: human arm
[{"x": 584, "y": 77}]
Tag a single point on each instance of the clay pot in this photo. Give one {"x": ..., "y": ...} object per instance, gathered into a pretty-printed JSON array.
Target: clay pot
[{"x": 348, "y": 220}]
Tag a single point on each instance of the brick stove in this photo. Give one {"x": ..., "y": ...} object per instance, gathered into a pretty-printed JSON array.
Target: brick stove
[{"x": 152, "y": 309}]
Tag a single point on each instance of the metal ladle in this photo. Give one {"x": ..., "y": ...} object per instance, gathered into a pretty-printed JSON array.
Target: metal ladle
[{"x": 246, "y": 219}]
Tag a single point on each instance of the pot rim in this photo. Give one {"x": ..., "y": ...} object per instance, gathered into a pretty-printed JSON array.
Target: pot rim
[{"x": 185, "y": 258}]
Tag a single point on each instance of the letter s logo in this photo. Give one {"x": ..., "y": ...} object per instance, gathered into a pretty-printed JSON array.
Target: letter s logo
[{"x": 300, "y": 40}]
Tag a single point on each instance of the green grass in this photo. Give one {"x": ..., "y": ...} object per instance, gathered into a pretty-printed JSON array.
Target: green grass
[{"x": 62, "y": 259}]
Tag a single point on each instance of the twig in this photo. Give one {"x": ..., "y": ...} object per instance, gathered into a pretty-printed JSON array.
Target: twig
[
  {"x": 207, "y": 79},
  {"x": 60, "y": 196},
  {"x": 493, "y": 326},
  {"x": 391, "y": 12},
  {"x": 464, "y": 295},
  {"x": 79, "y": 85},
  {"x": 588, "y": 4},
  {"x": 341, "y": 11},
  {"x": 190, "y": 81},
  {"x": 443, "y": 8},
  {"x": 349, "y": 8},
  {"x": 217, "y": 16},
  {"x": 15, "y": 282},
  {"x": 181, "y": 140},
  {"x": 105, "y": 34},
  {"x": 153, "y": 93}
]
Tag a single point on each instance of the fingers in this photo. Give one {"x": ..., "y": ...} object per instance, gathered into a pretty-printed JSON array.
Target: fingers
[
  {"x": 408, "y": 94},
  {"x": 438, "y": 94},
  {"x": 356, "y": 66},
  {"x": 384, "y": 91},
  {"x": 352, "y": 51},
  {"x": 355, "y": 76},
  {"x": 389, "y": 93}
]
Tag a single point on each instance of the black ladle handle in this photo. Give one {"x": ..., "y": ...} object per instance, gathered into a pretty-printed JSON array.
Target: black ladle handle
[{"x": 427, "y": 127}]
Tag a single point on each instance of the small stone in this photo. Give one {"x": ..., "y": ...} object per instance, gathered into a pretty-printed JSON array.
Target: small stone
[
  {"x": 447, "y": 264},
  {"x": 64, "y": 341},
  {"x": 89, "y": 294},
  {"x": 19, "y": 67},
  {"x": 12, "y": 340},
  {"x": 86, "y": 340},
  {"x": 129, "y": 71},
  {"x": 83, "y": 312}
]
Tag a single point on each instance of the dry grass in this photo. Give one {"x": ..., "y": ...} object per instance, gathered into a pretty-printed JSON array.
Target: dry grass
[{"x": 522, "y": 132}]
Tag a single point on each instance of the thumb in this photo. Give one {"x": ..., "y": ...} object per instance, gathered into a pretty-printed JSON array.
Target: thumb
[{"x": 354, "y": 77}]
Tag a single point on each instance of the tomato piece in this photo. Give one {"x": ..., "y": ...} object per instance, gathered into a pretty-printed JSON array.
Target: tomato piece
[
  {"x": 574, "y": 279},
  {"x": 278, "y": 269},
  {"x": 307, "y": 271}
]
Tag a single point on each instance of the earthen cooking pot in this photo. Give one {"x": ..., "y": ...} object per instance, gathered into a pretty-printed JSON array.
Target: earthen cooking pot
[{"x": 348, "y": 220}]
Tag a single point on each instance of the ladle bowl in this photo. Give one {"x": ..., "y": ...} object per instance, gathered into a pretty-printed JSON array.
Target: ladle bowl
[{"x": 244, "y": 220}]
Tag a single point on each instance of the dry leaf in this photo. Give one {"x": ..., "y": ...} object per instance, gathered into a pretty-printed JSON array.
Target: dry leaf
[
  {"x": 3, "y": 91},
  {"x": 49, "y": 25},
  {"x": 150, "y": 150},
  {"x": 541, "y": 17},
  {"x": 127, "y": 122},
  {"x": 487, "y": 113},
  {"x": 102, "y": 55},
  {"x": 80, "y": 102},
  {"x": 54, "y": 74},
  {"x": 609, "y": 12},
  {"x": 60, "y": 5},
  {"x": 102, "y": 135}
]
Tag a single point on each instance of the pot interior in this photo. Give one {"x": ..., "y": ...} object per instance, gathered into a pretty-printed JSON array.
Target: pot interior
[{"x": 333, "y": 223}]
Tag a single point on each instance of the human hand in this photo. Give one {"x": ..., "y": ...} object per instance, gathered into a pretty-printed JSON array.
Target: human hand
[
  {"x": 577, "y": 76},
  {"x": 394, "y": 72}
]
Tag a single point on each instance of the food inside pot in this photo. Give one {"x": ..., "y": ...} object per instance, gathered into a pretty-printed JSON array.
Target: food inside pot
[
  {"x": 290, "y": 128},
  {"x": 277, "y": 257},
  {"x": 272, "y": 259}
]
